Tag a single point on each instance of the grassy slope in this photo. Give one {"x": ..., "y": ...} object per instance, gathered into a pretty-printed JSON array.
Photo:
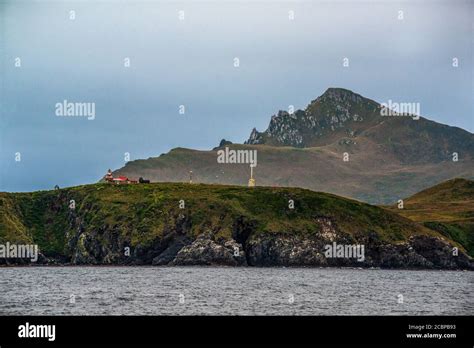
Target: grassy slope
[
  {"x": 447, "y": 208},
  {"x": 141, "y": 213},
  {"x": 370, "y": 175},
  {"x": 34, "y": 217}
]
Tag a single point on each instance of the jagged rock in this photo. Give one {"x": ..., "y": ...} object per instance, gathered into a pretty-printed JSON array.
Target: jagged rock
[
  {"x": 255, "y": 137},
  {"x": 327, "y": 231},
  {"x": 331, "y": 111},
  {"x": 204, "y": 251},
  {"x": 422, "y": 252},
  {"x": 285, "y": 251},
  {"x": 170, "y": 253},
  {"x": 224, "y": 143},
  {"x": 439, "y": 253}
]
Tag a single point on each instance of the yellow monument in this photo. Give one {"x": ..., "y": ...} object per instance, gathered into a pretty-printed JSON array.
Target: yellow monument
[{"x": 251, "y": 180}]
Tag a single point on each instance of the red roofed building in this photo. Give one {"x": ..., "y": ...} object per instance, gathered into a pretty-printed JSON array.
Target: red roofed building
[{"x": 118, "y": 180}]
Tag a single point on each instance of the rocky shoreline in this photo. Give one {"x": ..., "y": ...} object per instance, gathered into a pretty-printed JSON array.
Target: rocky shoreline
[
  {"x": 421, "y": 252},
  {"x": 220, "y": 226}
]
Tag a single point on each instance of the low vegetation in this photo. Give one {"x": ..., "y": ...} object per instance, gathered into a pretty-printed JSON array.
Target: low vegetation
[
  {"x": 142, "y": 213},
  {"x": 447, "y": 208}
]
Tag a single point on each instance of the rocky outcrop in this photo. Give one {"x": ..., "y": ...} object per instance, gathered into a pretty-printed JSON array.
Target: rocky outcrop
[
  {"x": 204, "y": 251},
  {"x": 336, "y": 108},
  {"x": 281, "y": 250},
  {"x": 169, "y": 254},
  {"x": 247, "y": 248},
  {"x": 285, "y": 251},
  {"x": 421, "y": 252}
]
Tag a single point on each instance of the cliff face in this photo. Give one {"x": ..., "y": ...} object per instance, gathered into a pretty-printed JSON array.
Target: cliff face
[{"x": 186, "y": 224}]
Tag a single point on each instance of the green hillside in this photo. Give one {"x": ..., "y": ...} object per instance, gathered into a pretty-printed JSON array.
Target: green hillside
[
  {"x": 447, "y": 208},
  {"x": 176, "y": 223}
]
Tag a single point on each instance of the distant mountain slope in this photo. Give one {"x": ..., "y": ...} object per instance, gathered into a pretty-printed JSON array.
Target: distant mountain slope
[
  {"x": 183, "y": 224},
  {"x": 452, "y": 191},
  {"x": 340, "y": 115},
  {"x": 388, "y": 157},
  {"x": 447, "y": 208},
  {"x": 372, "y": 179}
]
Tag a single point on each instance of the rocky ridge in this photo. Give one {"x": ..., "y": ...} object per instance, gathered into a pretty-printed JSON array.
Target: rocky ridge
[{"x": 337, "y": 108}]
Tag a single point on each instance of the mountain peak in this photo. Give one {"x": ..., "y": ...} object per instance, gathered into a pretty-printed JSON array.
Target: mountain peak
[
  {"x": 330, "y": 112},
  {"x": 340, "y": 95},
  {"x": 337, "y": 91}
]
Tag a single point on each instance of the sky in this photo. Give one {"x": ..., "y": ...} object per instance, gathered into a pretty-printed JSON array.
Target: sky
[{"x": 183, "y": 53}]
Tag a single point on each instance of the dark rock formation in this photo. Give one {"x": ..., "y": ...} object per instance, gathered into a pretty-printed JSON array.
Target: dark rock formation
[
  {"x": 223, "y": 143},
  {"x": 336, "y": 108},
  {"x": 204, "y": 251}
]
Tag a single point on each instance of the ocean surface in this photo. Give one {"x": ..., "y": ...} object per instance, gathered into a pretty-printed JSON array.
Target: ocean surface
[{"x": 233, "y": 291}]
